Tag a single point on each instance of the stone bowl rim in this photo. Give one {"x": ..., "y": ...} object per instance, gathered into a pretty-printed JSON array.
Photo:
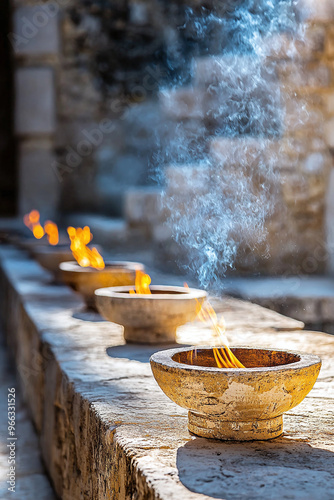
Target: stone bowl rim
[
  {"x": 110, "y": 267},
  {"x": 183, "y": 293},
  {"x": 164, "y": 359}
]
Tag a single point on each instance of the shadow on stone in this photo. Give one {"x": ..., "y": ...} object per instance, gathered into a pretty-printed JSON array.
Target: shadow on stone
[
  {"x": 86, "y": 314},
  {"x": 254, "y": 470},
  {"x": 139, "y": 352}
]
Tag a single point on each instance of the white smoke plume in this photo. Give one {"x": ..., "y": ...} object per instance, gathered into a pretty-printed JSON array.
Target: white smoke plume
[{"x": 229, "y": 120}]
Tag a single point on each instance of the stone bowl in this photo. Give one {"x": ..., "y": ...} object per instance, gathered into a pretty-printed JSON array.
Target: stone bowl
[
  {"x": 85, "y": 280},
  {"x": 152, "y": 318},
  {"x": 240, "y": 404}
]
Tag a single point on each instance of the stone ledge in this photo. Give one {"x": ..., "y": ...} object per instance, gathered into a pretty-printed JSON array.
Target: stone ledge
[
  {"x": 308, "y": 298},
  {"x": 108, "y": 432}
]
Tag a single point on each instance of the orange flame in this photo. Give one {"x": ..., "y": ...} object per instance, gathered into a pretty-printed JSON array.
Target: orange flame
[
  {"x": 142, "y": 284},
  {"x": 51, "y": 231},
  {"x": 85, "y": 257},
  {"x": 31, "y": 220},
  {"x": 224, "y": 357}
]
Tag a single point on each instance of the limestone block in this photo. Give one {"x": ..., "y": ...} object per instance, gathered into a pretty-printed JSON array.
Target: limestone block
[
  {"x": 330, "y": 42},
  {"x": 321, "y": 11},
  {"x": 143, "y": 206},
  {"x": 36, "y": 30},
  {"x": 183, "y": 103},
  {"x": 162, "y": 233},
  {"x": 284, "y": 46},
  {"x": 78, "y": 97},
  {"x": 329, "y": 133},
  {"x": 35, "y": 101},
  {"x": 186, "y": 179},
  {"x": 243, "y": 151},
  {"x": 185, "y": 141},
  {"x": 315, "y": 163},
  {"x": 329, "y": 101},
  {"x": 241, "y": 94},
  {"x": 302, "y": 114},
  {"x": 304, "y": 75},
  {"x": 327, "y": 309},
  {"x": 231, "y": 70},
  {"x": 38, "y": 184},
  {"x": 304, "y": 194}
]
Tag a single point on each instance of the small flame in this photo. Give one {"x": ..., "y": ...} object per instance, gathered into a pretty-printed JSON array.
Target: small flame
[
  {"x": 142, "y": 284},
  {"x": 52, "y": 233},
  {"x": 31, "y": 220},
  {"x": 223, "y": 355},
  {"x": 85, "y": 257}
]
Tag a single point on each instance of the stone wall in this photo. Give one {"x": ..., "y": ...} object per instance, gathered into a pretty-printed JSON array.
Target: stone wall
[
  {"x": 35, "y": 40},
  {"x": 299, "y": 229},
  {"x": 87, "y": 76},
  {"x": 90, "y": 124}
]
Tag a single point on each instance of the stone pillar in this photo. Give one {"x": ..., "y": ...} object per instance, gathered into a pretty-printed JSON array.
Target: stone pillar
[{"x": 35, "y": 41}]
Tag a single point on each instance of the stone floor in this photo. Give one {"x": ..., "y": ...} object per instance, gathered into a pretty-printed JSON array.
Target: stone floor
[
  {"x": 107, "y": 430},
  {"x": 31, "y": 479}
]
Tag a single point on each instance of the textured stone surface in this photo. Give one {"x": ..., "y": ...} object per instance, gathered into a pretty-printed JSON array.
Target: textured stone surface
[
  {"x": 36, "y": 30},
  {"x": 107, "y": 430},
  {"x": 38, "y": 187},
  {"x": 35, "y": 101},
  {"x": 142, "y": 206}
]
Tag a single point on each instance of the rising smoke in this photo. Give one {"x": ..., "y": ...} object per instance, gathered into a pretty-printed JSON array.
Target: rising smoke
[{"x": 220, "y": 163}]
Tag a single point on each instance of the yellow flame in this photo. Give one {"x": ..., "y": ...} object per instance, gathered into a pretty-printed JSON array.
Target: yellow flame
[
  {"x": 223, "y": 355},
  {"x": 31, "y": 220},
  {"x": 85, "y": 257},
  {"x": 52, "y": 233},
  {"x": 142, "y": 284}
]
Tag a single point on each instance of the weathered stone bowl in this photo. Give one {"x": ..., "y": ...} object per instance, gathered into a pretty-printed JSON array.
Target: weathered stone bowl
[
  {"x": 241, "y": 404},
  {"x": 152, "y": 318},
  {"x": 85, "y": 280}
]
